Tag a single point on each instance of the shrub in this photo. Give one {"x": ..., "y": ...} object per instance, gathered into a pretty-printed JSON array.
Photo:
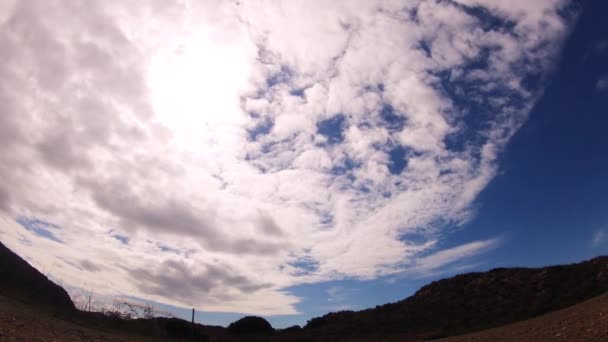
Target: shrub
[
  {"x": 122, "y": 309},
  {"x": 250, "y": 324}
]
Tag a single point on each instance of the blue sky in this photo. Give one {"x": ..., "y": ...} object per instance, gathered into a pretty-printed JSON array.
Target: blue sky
[
  {"x": 548, "y": 201},
  {"x": 549, "y": 197},
  {"x": 271, "y": 161}
]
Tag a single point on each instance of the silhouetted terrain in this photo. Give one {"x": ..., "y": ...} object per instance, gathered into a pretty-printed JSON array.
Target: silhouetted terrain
[
  {"x": 461, "y": 304},
  {"x": 475, "y": 301},
  {"x": 27, "y": 293},
  {"x": 19, "y": 280},
  {"x": 250, "y": 324}
]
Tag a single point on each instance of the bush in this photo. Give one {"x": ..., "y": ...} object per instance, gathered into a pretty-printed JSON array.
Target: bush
[
  {"x": 250, "y": 324},
  {"x": 122, "y": 309}
]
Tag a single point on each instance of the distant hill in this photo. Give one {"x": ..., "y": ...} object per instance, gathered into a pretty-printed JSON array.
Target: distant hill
[
  {"x": 473, "y": 301},
  {"x": 461, "y": 304},
  {"x": 250, "y": 324},
  {"x": 21, "y": 281}
]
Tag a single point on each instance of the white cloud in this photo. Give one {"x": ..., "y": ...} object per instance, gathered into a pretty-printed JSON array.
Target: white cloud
[
  {"x": 438, "y": 260},
  {"x": 602, "y": 83},
  {"x": 336, "y": 293},
  {"x": 191, "y": 129}
]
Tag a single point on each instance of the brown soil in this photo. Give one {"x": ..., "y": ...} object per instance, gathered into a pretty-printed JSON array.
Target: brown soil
[
  {"x": 587, "y": 321},
  {"x": 21, "y": 322}
]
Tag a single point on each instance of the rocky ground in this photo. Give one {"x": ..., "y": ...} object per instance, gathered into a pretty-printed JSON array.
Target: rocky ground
[{"x": 587, "y": 321}]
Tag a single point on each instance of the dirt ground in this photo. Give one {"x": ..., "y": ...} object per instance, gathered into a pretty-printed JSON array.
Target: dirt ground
[
  {"x": 587, "y": 321},
  {"x": 19, "y": 322}
]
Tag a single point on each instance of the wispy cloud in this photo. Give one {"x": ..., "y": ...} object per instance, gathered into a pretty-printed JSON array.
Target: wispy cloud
[
  {"x": 599, "y": 237},
  {"x": 453, "y": 259},
  {"x": 601, "y": 46},
  {"x": 262, "y": 144},
  {"x": 602, "y": 83},
  {"x": 336, "y": 293}
]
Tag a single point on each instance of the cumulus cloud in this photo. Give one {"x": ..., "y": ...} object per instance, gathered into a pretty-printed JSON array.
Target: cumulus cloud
[{"x": 245, "y": 147}]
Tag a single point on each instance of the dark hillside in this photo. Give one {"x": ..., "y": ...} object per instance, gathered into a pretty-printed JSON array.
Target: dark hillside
[
  {"x": 475, "y": 301},
  {"x": 461, "y": 304},
  {"x": 21, "y": 281}
]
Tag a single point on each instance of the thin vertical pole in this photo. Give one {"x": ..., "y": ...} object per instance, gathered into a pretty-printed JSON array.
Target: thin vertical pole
[{"x": 192, "y": 326}]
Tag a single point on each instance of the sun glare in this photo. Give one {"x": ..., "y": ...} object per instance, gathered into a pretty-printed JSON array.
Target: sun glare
[{"x": 195, "y": 84}]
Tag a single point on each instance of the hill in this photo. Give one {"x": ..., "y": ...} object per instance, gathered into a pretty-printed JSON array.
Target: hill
[
  {"x": 458, "y": 305},
  {"x": 474, "y": 301},
  {"x": 32, "y": 304},
  {"x": 23, "y": 282}
]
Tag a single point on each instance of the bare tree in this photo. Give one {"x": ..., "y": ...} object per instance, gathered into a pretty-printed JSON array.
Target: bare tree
[{"x": 129, "y": 310}]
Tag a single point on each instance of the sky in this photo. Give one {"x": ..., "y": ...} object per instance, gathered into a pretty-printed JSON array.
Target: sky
[{"x": 292, "y": 158}]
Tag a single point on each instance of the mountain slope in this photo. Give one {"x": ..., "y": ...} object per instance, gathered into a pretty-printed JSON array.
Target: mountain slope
[
  {"x": 461, "y": 304},
  {"x": 475, "y": 301},
  {"x": 23, "y": 282}
]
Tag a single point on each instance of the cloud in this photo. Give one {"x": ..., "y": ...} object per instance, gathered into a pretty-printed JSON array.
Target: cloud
[
  {"x": 301, "y": 141},
  {"x": 4, "y": 199},
  {"x": 174, "y": 279},
  {"x": 90, "y": 266},
  {"x": 601, "y": 46},
  {"x": 335, "y": 293},
  {"x": 599, "y": 237},
  {"x": 436, "y": 261},
  {"x": 602, "y": 83}
]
